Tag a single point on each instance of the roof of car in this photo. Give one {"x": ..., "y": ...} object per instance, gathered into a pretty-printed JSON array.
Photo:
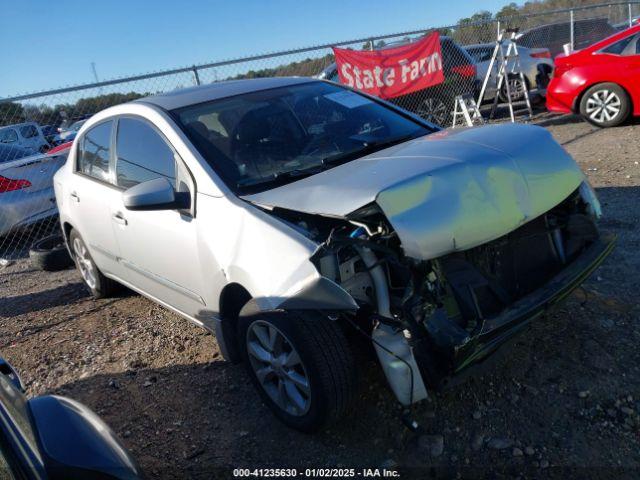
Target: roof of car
[{"x": 214, "y": 91}]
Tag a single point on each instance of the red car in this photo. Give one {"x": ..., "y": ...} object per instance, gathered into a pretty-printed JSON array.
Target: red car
[{"x": 601, "y": 82}]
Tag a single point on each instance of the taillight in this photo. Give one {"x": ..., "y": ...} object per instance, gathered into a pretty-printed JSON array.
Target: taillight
[
  {"x": 9, "y": 184},
  {"x": 545, "y": 54},
  {"x": 465, "y": 70}
]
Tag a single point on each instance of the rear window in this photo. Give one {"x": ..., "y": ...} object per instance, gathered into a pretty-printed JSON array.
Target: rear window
[
  {"x": 95, "y": 152},
  {"x": 453, "y": 55},
  {"x": 28, "y": 131},
  {"x": 618, "y": 47}
]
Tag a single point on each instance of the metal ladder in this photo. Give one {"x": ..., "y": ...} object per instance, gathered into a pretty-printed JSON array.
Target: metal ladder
[
  {"x": 505, "y": 72},
  {"x": 467, "y": 109}
]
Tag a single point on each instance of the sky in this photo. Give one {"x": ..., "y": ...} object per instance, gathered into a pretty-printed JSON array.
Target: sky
[{"x": 54, "y": 43}]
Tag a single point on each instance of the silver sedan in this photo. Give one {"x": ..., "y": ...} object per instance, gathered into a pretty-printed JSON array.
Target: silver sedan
[{"x": 296, "y": 218}]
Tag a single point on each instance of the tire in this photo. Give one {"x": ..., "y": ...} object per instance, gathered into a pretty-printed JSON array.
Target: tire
[
  {"x": 605, "y": 105},
  {"x": 518, "y": 94},
  {"x": 50, "y": 254},
  {"x": 436, "y": 109},
  {"x": 99, "y": 285},
  {"x": 326, "y": 367}
]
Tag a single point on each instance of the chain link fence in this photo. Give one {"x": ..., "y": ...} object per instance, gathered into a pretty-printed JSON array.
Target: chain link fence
[{"x": 32, "y": 124}]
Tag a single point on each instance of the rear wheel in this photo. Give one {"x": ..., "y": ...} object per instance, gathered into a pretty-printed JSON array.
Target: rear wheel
[
  {"x": 516, "y": 89},
  {"x": 436, "y": 109},
  {"x": 301, "y": 365},
  {"x": 99, "y": 285},
  {"x": 605, "y": 105}
]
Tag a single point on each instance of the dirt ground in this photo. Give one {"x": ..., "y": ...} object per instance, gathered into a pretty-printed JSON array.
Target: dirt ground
[{"x": 563, "y": 402}]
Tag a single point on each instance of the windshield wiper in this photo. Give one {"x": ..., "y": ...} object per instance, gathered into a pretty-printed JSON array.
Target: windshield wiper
[
  {"x": 278, "y": 178},
  {"x": 367, "y": 148}
]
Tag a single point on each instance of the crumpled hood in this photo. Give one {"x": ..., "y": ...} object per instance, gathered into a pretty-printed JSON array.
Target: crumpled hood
[{"x": 451, "y": 190}]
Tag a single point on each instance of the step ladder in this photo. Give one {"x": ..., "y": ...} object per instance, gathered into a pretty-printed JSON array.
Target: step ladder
[
  {"x": 466, "y": 109},
  {"x": 509, "y": 67}
]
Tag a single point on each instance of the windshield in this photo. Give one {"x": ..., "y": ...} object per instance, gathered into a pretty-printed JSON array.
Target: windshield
[{"x": 263, "y": 139}]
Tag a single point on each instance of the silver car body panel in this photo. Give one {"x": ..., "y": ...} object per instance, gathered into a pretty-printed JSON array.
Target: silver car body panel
[
  {"x": 23, "y": 207},
  {"x": 447, "y": 191}
]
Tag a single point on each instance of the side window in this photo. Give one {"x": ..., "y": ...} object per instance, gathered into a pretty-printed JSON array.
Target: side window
[
  {"x": 28, "y": 131},
  {"x": 142, "y": 154},
  {"x": 8, "y": 136},
  {"x": 618, "y": 47},
  {"x": 95, "y": 150}
]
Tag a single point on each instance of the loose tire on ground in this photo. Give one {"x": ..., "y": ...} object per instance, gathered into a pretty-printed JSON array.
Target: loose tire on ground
[
  {"x": 99, "y": 285},
  {"x": 605, "y": 105},
  {"x": 50, "y": 254},
  {"x": 326, "y": 362}
]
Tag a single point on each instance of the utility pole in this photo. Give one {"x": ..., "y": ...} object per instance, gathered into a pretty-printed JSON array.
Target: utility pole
[{"x": 95, "y": 74}]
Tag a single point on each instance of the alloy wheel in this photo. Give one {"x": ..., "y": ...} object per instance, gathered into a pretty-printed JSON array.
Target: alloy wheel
[
  {"x": 85, "y": 264},
  {"x": 278, "y": 368},
  {"x": 434, "y": 110},
  {"x": 603, "y": 106},
  {"x": 516, "y": 89}
]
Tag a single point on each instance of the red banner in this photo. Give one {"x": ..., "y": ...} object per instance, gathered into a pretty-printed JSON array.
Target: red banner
[{"x": 392, "y": 72}]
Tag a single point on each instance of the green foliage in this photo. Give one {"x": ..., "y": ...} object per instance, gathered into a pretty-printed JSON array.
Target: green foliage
[
  {"x": 11, "y": 113},
  {"x": 304, "y": 68}
]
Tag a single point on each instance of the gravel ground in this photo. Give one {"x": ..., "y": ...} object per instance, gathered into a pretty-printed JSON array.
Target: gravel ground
[{"x": 565, "y": 401}]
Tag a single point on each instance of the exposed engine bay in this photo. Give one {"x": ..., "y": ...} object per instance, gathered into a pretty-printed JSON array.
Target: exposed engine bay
[{"x": 431, "y": 318}]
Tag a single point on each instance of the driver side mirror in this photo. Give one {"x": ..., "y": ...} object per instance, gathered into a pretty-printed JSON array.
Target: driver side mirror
[{"x": 156, "y": 194}]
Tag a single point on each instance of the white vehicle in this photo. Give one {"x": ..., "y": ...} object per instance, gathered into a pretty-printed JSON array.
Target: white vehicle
[
  {"x": 25, "y": 135},
  {"x": 294, "y": 216}
]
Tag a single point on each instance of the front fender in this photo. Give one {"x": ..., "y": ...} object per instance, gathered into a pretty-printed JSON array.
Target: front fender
[{"x": 319, "y": 294}]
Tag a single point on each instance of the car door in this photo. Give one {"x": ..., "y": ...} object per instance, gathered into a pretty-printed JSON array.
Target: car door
[
  {"x": 92, "y": 193},
  {"x": 632, "y": 69},
  {"x": 158, "y": 248}
]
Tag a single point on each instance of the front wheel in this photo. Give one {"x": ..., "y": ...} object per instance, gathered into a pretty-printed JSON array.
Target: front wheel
[
  {"x": 99, "y": 285},
  {"x": 302, "y": 366},
  {"x": 605, "y": 105}
]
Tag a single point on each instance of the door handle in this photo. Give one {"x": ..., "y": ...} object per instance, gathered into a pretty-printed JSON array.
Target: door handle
[
  {"x": 75, "y": 196},
  {"x": 119, "y": 218}
]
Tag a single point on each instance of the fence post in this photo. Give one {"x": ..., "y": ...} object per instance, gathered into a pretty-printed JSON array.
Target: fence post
[
  {"x": 195, "y": 75},
  {"x": 572, "y": 33},
  {"x": 498, "y": 28},
  {"x": 630, "y": 15}
]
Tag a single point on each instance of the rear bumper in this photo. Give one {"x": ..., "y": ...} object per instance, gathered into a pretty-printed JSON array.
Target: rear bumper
[
  {"x": 464, "y": 353},
  {"x": 561, "y": 96}
]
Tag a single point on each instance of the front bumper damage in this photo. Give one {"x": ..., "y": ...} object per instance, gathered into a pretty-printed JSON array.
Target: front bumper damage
[{"x": 447, "y": 352}]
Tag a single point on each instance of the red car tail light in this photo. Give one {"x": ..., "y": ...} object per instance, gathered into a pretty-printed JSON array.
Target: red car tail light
[
  {"x": 9, "y": 184},
  {"x": 545, "y": 54},
  {"x": 465, "y": 70}
]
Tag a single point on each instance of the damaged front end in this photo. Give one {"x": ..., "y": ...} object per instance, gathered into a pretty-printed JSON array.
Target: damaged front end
[
  {"x": 430, "y": 320},
  {"x": 450, "y": 244}
]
